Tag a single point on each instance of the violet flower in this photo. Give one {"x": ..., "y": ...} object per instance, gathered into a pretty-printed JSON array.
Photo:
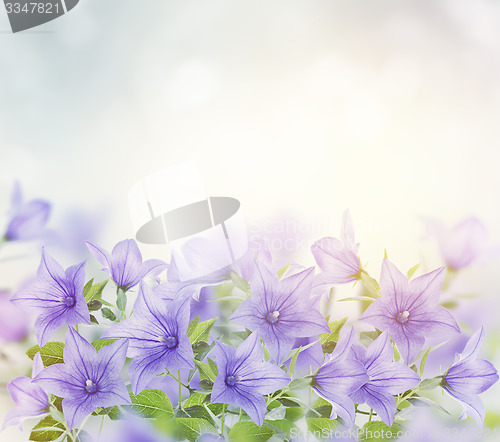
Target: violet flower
[
  {"x": 157, "y": 336},
  {"x": 310, "y": 358},
  {"x": 338, "y": 258},
  {"x": 31, "y": 400},
  {"x": 56, "y": 296},
  {"x": 26, "y": 219},
  {"x": 87, "y": 379},
  {"x": 340, "y": 377},
  {"x": 409, "y": 310},
  {"x": 125, "y": 263},
  {"x": 14, "y": 321},
  {"x": 386, "y": 378},
  {"x": 243, "y": 377},
  {"x": 470, "y": 376},
  {"x": 280, "y": 310}
]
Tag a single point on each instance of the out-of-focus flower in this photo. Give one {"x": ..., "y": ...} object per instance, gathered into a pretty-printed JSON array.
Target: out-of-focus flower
[
  {"x": 257, "y": 251},
  {"x": 243, "y": 377},
  {"x": 56, "y": 296},
  {"x": 14, "y": 321},
  {"x": 386, "y": 378},
  {"x": 87, "y": 379},
  {"x": 337, "y": 258},
  {"x": 462, "y": 244},
  {"x": 280, "y": 310},
  {"x": 27, "y": 220},
  {"x": 31, "y": 400},
  {"x": 157, "y": 336},
  {"x": 340, "y": 377},
  {"x": 133, "y": 429},
  {"x": 470, "y": 376},
  {"x": 125, "y": 263},
  {"x": 409, "y": 310}
]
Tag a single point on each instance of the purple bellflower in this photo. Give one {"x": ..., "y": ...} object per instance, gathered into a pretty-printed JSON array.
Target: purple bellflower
[
  {"x": 470, "y": 376},
  {"x": 337, "y": 258},
  {"x": 157, "y": 336},
  {"x": 14, "y": 321},
  {"x": 409, "y": 310},
  {"x": 280, "y": 310},
  {"x": 339, "y": 377},
  {"x": 386, "y": 378},
  {"x": 125, "y": 265},
  {"x": 87, "y": 379},
  {"x": 26, "y": 219},
  {"x": 243, "y": 377},
  {"x": 31, "y": 400},
  {"x": 57, "y": 297}
]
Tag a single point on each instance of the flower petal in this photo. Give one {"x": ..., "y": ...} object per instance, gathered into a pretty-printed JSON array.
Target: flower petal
[
  {"x": 100, "y": 254},
  {"x": 472, "y": 406},
  {"x": 408, "y": 342},
  {"x": 76, "y": 409},
  {"x": 393, "y": 284},
  {"x": 425, "y": 289}
]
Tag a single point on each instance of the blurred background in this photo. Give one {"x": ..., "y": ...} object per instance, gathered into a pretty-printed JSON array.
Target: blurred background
[{"x": 298, "y": 109}]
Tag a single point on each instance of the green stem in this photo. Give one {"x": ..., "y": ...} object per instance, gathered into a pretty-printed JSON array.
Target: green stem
[
  {"x": 241, "y": 414},
  {"x": 180, "y": 389},
  {"x": 222, "y": 420},
  {"x": 371, "y": 414}
]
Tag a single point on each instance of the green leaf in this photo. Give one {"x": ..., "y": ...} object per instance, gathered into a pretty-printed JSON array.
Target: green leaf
[
  {"x": 94, "y": 305},
  {"x": 357, "y": 298},
  {"x": 206, "y": 371},
  {"x": 282, "y": 271},
  {"x": 93, "y": 320},
  {"x": 371, "y": 285},
  {"x": 277, "y": 413},
  {"x": 152, "y": 404},
  {"x": 115, "y": 413},
  {"x": 294, "y": 360},
  {"x": 377, "y": 431},
  {"x": 121, "y": 299},
  {"x": 423, "y": 361},
  {"x": 52, "y": 353},
  {"x": 300, "y": 384},
  {"x": 294, "y": 414},
  {"x": 194, "y": 399},
  {"x": 47, "y": 429},
  {"x": 240, "y": 283},
  {"x": 192, "y": 428},
  {"x": 412, "y": 271},
  {"x": 366, "y": 338},
  {"x": 92, "y": 292},
  {"x": 31, "y": 352},
  {"x": 196, "y": 411},
  {"x": 282, "y": 425},
  {"x": 108, "y": 314},
  {"x": 100, "y": 343},
  {"x": 247, "y": 431},
  {"x": 200, "y": 331},
  {"x": 321, "y": 426},
  {"x": 328, "y": 340},
  {"x": 430, "y": 384}
]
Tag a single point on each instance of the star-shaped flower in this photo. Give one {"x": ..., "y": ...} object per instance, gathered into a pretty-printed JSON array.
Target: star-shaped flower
[
  {"x": 125, "y": 263},
  {"x": 470, "y": 376},
  {"x": 157, "y": 333},
  {"x": 280, "y": 310},
  {"x": 87, "y": 379},
  {"x": 31, "y": 400},
  {"x": 409, "y": 310},
  {"x": 386, "y": 378},
  {"x": 243, "y": 377},
  {"x": 57, "y": 297}
]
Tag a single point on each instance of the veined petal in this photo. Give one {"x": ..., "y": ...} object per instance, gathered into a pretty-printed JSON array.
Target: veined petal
[
  {"x": 408, "y": 342},
  {"x": 145, "y": 367},
  {"x": 472, "y": 406},
  {"x": 342, "y": 377},
  {"x": 279, "y": 345},
  {"x": 111, "y": 360},
  {"x": 263, "y": 377},
  {"x": 76, "y": 409},
  {"x": 47, "y": 324},
  {"x": 112, "y": 392},
  {"x": 425, "y": 289},
  {"x": 472, "y": 376},
  {"x": 224, "y": 354},
  {"x": 379, "y": 314},
  {"x": 50, "y": 270},
  {"x": 293, "y": 288},
  {"x": 27, "y": 395},
  {"x": 303, "y": 323},
  {"x": 338, "y": 261},
  {"x": 262, "y": 283},
  {"x": 433, "y": 320},
  {"x": 392, "y": 377},
  {"x": 383, "y": 403},
  {"x": 153, "y": 267},
  {"x": 57, "y": 380},
  {"x": 100, "y": 254},
  {"x": 250, "y": 350},
  {"x": 126, "y": 262},
  {"x": 472, "y": 347},
  {"x": 343, "y": 347},
  {"x": 342, "y": 405},
  {"x": 78, "y": 351},
  {"x": 380, "y": 351},
  {"x": 18, "y": 415},
  {"x": 393, "y": 284},
  {"x": 249, "y": 315},
  {"x": 254, "y": 404}
]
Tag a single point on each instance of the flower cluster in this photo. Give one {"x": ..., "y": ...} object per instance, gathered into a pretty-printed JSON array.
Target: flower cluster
[{"x": 244, "y": 372}]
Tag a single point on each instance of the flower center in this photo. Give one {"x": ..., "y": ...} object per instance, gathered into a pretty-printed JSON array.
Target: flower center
[
  {"x": 69, "y": 301},
  {"x": 90, "y": 387},
  {"x": 273, "y": 317},
  {"x": 170, "y": 341},
  {"x": 231, "y": 380},
  {"x": 402, "y": 317}
]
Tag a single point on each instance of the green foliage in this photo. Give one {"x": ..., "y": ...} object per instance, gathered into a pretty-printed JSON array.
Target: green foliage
[
  {"x": 192, "y": 428},
  {"x": 282, "y": 271},
  {"x": 412, "y": 271},
  {"x": 423, "y": 361},
  {"x": 108, "y": 314},
  {"x": 376, "y": 431},
  {"x": 51, "y": 353},
  {"x": 47, "y": 429},
  {"x": 329, "y": 340},
  {"x": 93, "y": 292},
  {"x": 321, "y": 427},
  {"x": 152, "y": 404},
  {"x": 121, "y": 299},
  {"x": 207, "y": 371},
  {"x": 200, "y": 332},
  {"x": 247, "y": 431},
  {"x": 100, "y": 343}
]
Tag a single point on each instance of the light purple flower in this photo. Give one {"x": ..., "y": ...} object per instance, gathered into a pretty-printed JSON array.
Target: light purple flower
[
  {"x": 14, "y": 321},
  {"x": 280, "y": 310},
  {"x": 243, "y": 377},
  {"x": 56, "y": 296},
  {"x": 26, "y": 219},
  {"x": 31, "y": 400},
  {"x": 125, "y": 263},
  {"x": 157, "y": 336},
  {"x": 337, "y": 258},
  {"x": 386, "y": 378},
  {"x": 339, "y": 377},
  {"x": 87, "y": 379},
  {"x": 470, "y": 376},
  {"x": 409, "y": 310},
  {"x": 463, "y": 244},
  {"x": 133, "y": 429},
  {"x": 310, "y": 358}
]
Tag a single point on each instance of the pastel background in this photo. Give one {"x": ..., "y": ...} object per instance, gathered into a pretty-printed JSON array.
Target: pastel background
[{"x": 298, "y": 109}]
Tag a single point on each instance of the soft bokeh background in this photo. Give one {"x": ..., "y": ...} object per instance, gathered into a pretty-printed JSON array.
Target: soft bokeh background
[{"x": 299, "y": 109}]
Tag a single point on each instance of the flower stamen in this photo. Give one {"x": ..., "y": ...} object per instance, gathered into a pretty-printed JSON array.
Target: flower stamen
[
  {"x": 170, "y": 341},
  {"x": 90, "y": 386},
  {"x": 273, "y": 317},
  {"x": 232, "y": 380},
  {"x": 403, "y": 317}
]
